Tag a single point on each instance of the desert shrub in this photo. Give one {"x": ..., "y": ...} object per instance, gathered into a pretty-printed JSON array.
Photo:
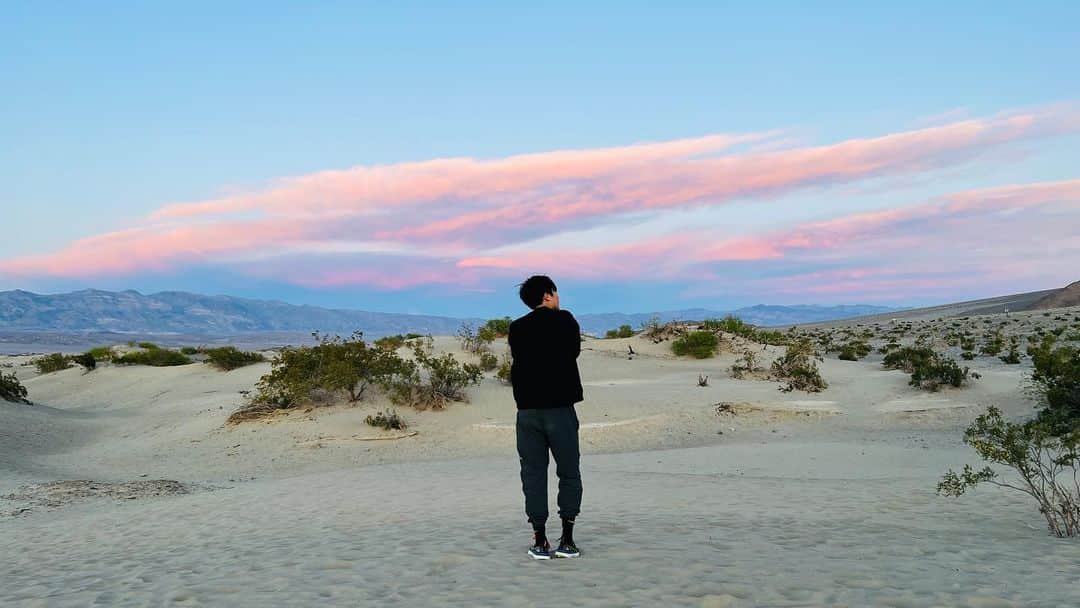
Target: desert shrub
[
  {"x": 188, "y": 350},
  {"x": 413, "y": 336},
  {"x": 156, "y": 357},
  {"x": 1055, "y": 379},
  {"x": 652, "y": 327},
  {"x": 967, "y": 355},
  {"x": 734, "y": 325},
  {"x": 1013, "y": 356},
  {"x": 11, "y": 389},
  {"x": 390, "y": 343},
  {"x": 799, "y": 368},
  {"x": 992, "y": 347},
  {"x": 101, "y": 353},
  {"x": 228, "y": 358},
  {"x": 445, "y": 381},
  {"x": 908, "y": 358},
  {"x": 302, "y": 374},
  {"x": 1047, "y": 463},
  {"x": 853, "y": 351},
  {"x": 148, "y": 345},
  {"x": 488, "y": 361},
  {"x": 86, "y": 360},
  {"x": 699, "y": 344},
  {"x": 504, "y": 369},
  {"x": 388, "y": 420},
  {"x": 888, "y": 347},
  {"x": 624, "y": 331},
  {"x": 495, "y": 328},
  {"x": 937, "y": 371},
  {"x": 47, "y": 364},
  {"x": 473, "y": 341},
  {"x": 747, "y": 363},
  {"x": 771, "y": 337}
]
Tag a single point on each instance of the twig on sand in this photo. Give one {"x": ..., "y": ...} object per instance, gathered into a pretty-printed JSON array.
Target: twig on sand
[{"x": 402, "y": 436}]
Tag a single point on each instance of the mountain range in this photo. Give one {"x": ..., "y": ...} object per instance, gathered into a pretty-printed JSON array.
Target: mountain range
[{"x": 177, "y": 312}]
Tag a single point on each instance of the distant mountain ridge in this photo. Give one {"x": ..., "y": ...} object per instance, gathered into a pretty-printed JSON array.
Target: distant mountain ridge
[{"x": 177, "y": 312}]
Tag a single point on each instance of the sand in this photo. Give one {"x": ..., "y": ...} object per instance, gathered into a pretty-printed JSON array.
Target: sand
[{"x": 781, "y": 499}]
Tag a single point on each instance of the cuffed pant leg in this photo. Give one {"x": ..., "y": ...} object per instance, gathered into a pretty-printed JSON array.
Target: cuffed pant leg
[
  {"x": 532, "y": 447},
  {"x": 562, "y": 433}
]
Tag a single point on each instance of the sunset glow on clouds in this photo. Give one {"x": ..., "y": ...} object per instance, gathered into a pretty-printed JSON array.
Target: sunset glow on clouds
[{"x": 469, "y": 222}]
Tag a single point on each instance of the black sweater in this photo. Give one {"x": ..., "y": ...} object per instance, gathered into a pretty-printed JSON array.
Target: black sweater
[{"x": 545, "y": 345}]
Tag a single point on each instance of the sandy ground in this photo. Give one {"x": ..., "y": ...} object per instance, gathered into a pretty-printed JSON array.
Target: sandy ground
[{"x": 123, "y": 486}]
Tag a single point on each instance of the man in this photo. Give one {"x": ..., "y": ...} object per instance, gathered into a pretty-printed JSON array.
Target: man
[{"x": 545, "y": 344}]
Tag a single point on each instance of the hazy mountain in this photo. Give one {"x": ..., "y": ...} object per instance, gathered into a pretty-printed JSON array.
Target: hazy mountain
[{"x": 188, "y": 314}]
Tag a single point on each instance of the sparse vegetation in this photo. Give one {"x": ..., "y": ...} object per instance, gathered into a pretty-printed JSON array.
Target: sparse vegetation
[
  {"x": 188, "y": 350},
  {"x": 12, "y": 390},
  {"x": 747, "y": 363},
  {"x": 388, "y": 420},
  {"x": 488, "y": 362},
  {"x": 699, "y": 344},
  {"x": 155, "y": 356},
  {"x": 101, "y": 353},
  {"x": 445, "y": 381},
  {"x": 504, "y": 369},
  {"x": 47, "y": 364},
  {"x": 799, "y": 368},
  {"x": 228, "y": 358},
  {"x": 624, "y": 331},
  {"x": 929, "y": 370},
  {"x": 86, "y": 360}
]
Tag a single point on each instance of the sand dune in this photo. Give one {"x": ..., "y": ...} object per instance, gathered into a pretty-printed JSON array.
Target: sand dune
[{"x": 777, "y": 499}]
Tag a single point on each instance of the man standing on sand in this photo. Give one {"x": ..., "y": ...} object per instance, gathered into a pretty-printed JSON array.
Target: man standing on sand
[{"x": 545, "y": 344}]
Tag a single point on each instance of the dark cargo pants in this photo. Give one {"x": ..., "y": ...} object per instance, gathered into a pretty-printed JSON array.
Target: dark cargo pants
[{"x": 540, "y": 430}]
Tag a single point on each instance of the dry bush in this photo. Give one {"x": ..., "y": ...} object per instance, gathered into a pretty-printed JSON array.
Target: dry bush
[
  {"x": 388, "y": 420},
  {"x": 799, "y": 368},
  {"x": 12, "y": 390}
]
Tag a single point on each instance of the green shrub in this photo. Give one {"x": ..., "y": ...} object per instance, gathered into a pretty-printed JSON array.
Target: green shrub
[
  {"x": 156, "y": 357},
  {"x": 446, "y": 379},
  {"x": 47, "y": 364},
  {"x": 1046, "y": 462},
  {"x": 624, "y": 331},
  {"x": 101, "y": 353},
  {"x": 699, "y": 344},
  {"x": 496, "y": 328},
  {"x": 504, "y": 369},
  {"x": 799, "y": 368},
  {"x": 11, "y": 389},
  {"x": 908, "y": 358},
  {"x": 148, "y": 345},
  {"x": 967, "y": 355},
  {"x": 853, "y": 351},
  {"x": 300, "y": 375},
  {"x": 746, "y": 364},
  {"x": 476, "y": 342},
  {"x": 228, "y": 358},
  {"x": 1055, "y": 379},
  {"x": 189, "y": 350},
  {"x": 412, "y": 336},
  {"x": 937, "y": 371},
  {"x": 488, "y": 361},
  {"x": 86, "y": 360},
  {"x": 390, "y": 342},
  {"x": 994, "y": 345},
  {"x": 388, "y": 420}
]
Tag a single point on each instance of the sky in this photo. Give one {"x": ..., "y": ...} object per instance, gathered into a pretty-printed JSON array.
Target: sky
[{"x": 427, "y": 157}]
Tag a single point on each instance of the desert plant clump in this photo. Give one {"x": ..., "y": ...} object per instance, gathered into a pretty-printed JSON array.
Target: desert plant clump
[
  {"x": 388, "y": 420},
  {"x": 47, "y": 364},
  {"x": 908, "y": 358},
  {"x": 853, "y": 351},
  {"x": 488, "y": 362},
  {"x": 1047, "y": 464},
  {"x": 504, "y": 369},
  {"x": 101, "y": 353},
  {"x": 624, "y": 331},
  {"x": 148, "y": 345},
  {"x": 228, "y": 358},
  {"x": 390, "y": 343},
  {"x": 1055, "y": 380},
  {"x": 494, "y": 328},
  {"x": 699, "y": 344},
  {"x": 747, "y": 363},
  {"x": 188, "y": 350},
  {"x": 473, "y": 341},
  {"x": 799, "y": 368},
  {"x": 156, "y": 357},
  {"x": 12, "y": 390},
  {"x": 308, "y": 374},
  {"x": 86, "y": 360},
  {"x": 938, "y": 371},
  {"x": 445, "y": 379}
]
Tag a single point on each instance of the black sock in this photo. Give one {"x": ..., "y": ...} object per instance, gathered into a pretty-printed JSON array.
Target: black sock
[
  {"x": 568, "y": 531},
  {"x": 541, "y": 537}
]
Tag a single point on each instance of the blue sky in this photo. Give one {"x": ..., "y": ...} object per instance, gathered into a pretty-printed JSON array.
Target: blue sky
[{"x": 115, "y": 111}]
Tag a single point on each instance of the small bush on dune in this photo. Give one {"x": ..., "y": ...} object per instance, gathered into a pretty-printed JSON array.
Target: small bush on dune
[
  {"x": 86, "y": 360},
  {"x": 624, "y": 331},
  {"x": 908, "y": 358},
  {"x": 148, "y": 345},
  {"x": 746, "y": 364},
  {"x": 1046, "y": 462},
  {"x": 47, "y": 364},
  {"x": 189, "y": 350},
  {"x": 853, "y": 351},
  {"x": 388, "y": 420},
  {"x": 699, "y": 344},
  {"x": 12, "y": 390},
  {"x": 504, "y": 369},
  {"x": 798, "y": 366},
  {"x": 475, "y": 342},
  {"x": 445, "y": 379},
  {"x": 228, "y": 358},
  {"x": 938, "y": 371},
  {"x": 488, "y": 362},
  {"x": 1055, "y": 379},
  {"x": 101, "y": 353},
  {"x": 494, "y": 328},
  {"x": 390, "y": 343},
  {"x": 156, "y": 357}
]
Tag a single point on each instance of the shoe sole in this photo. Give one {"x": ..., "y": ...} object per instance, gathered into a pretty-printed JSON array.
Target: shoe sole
[
  {"x": 535, "y": 556},
  {"x": 558, "y": 554}
]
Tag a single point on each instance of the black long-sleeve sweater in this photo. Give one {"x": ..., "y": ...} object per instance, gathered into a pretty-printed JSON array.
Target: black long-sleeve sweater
[{"x": 545, "y": 345}]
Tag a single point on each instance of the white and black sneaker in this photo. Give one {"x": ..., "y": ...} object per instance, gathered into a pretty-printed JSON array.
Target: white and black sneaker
[
  {"x": 540, "y": 549},
  {"x": 567, "y": 548}
]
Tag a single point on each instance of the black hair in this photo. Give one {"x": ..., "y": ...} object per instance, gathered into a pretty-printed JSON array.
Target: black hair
[{"x": 533, "y": 289}]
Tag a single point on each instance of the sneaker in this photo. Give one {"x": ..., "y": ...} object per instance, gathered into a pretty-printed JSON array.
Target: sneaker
[
  {"x": 567, "y": 549},
  {"x": 540, "y": 550}
]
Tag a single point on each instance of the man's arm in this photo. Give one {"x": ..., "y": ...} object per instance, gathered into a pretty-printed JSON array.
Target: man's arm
[{"x": 576, "y": 338}]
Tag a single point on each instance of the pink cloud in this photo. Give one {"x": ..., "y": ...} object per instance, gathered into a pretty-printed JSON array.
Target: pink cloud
[{"x": 474, "y": 208}]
